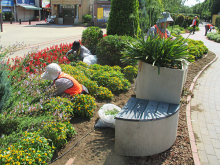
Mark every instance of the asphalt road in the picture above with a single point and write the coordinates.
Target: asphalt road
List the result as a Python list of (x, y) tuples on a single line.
[(37, 35)]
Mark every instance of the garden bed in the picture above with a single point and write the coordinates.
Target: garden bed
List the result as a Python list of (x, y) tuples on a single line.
[(98, 146)]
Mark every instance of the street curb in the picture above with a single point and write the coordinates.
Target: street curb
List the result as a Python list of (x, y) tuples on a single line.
[(188, 116)]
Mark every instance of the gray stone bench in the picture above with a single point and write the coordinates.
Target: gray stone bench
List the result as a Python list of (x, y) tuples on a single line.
[(145, 127)]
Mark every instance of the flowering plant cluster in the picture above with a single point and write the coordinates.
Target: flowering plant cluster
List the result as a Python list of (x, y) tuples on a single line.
[(96, 76), (34, 107), (130, 72), (58, 132), (84, 105), (197, 48), (30, 149)]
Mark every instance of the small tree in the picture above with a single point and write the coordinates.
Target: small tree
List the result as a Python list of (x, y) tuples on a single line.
[(5, 87), (124, 18)]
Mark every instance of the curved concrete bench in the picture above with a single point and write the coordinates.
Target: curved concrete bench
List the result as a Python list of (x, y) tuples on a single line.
[(144, 127)]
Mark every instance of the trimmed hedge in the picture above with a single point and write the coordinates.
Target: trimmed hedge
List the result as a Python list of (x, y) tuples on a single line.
[(109, 50), (90, 38), (120, 21)]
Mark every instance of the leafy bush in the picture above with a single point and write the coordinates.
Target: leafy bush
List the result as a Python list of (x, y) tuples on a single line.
[(87, 18), (130, 72), (180, 20), (31, 148), (57, 132), (109, 50), (90, 38), (196, 48), (217, 22), (213, 36), (191, 28), (124, 18), (158, 51), (176, 31), (5, 87), (84, 105)]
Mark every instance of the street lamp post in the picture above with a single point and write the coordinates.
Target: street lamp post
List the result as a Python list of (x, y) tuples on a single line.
[(1, 15)]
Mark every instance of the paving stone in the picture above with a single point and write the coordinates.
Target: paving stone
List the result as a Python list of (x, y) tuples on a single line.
[(209, 149), (213, 160)]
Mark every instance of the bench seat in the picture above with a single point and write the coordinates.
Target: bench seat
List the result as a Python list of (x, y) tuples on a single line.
[(145, 127)]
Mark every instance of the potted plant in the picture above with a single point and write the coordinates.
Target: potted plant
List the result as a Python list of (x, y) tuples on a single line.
[(161, 67), (38, 18)]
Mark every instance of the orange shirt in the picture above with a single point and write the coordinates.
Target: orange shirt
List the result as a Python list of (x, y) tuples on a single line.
[(76, 88), (160, 33)]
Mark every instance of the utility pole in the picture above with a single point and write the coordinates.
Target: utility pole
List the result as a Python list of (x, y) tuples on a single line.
[(1, 15)]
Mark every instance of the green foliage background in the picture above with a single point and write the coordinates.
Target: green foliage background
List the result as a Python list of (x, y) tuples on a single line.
[(124, 18)]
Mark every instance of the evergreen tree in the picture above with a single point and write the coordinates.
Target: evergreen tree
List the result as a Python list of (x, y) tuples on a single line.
[(124, 18), (5, 87)]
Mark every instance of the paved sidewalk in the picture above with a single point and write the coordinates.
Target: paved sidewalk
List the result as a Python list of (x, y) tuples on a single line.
[(205, 106)]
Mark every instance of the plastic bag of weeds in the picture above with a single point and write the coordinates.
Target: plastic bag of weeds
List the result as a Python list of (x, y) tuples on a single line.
[(107, 115), (90, 59)]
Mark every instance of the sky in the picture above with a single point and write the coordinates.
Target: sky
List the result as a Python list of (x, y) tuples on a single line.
[(192, 2)]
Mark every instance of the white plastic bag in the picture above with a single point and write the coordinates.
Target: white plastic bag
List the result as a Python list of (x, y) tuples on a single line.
[(106, 119), (90, 59)]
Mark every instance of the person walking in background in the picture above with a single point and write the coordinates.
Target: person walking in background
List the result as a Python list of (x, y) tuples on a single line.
[(194, 24), (208, 27), (66, 85)]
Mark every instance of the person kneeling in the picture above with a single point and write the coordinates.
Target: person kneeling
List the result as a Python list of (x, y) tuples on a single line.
[(65, 84)]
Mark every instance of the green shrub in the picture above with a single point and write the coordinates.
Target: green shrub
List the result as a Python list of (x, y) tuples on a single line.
[(217, 22), (130, 72), (124, 18), (31, 148), (180, 20), (213, 36), (90, 38), (87, 18), (176, 31), (5, 87), (57, 132), (109, 50)]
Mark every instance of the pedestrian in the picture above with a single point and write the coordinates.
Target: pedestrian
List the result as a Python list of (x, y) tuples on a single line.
[(208, 27), (161, 26), (194, 24), (66, 85), (78, 50)]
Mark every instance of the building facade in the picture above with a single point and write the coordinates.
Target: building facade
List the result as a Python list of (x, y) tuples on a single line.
[(70, 12)]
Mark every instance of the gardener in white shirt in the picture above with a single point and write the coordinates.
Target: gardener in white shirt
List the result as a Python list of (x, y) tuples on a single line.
[(65, 84), (79, 50)]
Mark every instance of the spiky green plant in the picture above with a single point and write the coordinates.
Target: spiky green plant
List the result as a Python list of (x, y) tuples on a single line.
[(158, 51)]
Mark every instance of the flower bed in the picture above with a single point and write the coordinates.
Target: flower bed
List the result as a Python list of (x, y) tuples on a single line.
[(34, 122), (34, 114)]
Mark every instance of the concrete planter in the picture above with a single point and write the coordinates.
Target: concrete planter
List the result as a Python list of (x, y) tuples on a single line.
[(166, 87), (135, 138)]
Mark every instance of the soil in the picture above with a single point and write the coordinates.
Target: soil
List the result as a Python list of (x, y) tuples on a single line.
[(97, 148)]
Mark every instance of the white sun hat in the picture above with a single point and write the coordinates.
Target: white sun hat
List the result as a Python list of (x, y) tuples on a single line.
[(165, 18), (53, 70)]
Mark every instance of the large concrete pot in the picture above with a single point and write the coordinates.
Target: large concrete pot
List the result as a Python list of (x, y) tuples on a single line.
[(166, 87)]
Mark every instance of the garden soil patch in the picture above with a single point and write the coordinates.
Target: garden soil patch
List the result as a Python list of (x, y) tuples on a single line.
[(97, 148)]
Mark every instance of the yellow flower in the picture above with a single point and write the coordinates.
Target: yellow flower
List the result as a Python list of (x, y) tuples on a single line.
[(18, 157), (30, 162), (40, 160)]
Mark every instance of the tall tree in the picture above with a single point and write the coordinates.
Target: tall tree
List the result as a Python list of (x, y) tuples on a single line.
[(215, 6), (124, 18)]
